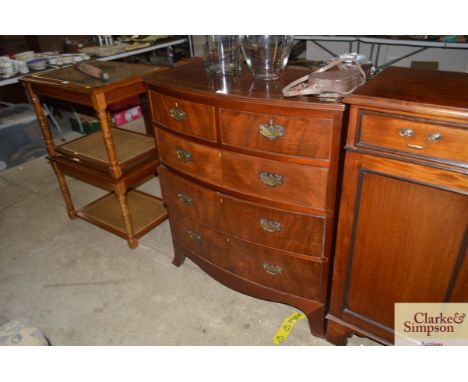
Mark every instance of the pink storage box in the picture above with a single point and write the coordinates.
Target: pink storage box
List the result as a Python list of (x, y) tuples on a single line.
[(122, 117)]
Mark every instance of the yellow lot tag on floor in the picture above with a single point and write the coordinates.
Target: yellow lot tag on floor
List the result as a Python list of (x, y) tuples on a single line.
[(287, 327)]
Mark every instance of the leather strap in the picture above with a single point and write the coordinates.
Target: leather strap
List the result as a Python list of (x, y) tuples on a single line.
[(298, 87)]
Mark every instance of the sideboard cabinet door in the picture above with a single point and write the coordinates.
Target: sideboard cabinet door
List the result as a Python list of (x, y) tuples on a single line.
[(405, 231)]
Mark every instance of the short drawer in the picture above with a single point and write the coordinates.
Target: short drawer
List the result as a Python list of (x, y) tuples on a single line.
[(297, 136), (186, 117), (414, 136), (275, 181), (188, 199), (191, 158), (271, 268), (289, 231), (199, 239)]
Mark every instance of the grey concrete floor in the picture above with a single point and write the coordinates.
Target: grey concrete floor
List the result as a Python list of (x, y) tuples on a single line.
[(83, 286)]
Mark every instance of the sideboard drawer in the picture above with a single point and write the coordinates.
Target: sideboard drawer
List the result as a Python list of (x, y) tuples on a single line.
[(414, 136), (275, 181), (186, 117), (272, 268), (189, 157), (298, 136)]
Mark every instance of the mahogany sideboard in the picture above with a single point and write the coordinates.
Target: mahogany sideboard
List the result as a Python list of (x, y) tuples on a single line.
[(403, 225), (250, 179), (113, 159)]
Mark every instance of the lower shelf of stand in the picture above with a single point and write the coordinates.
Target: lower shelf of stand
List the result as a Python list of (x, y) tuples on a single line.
[(130, 148), (146, 211)]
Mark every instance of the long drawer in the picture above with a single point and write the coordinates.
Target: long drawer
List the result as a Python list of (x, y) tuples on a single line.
[(285, 230), (413, 136), (289, 135), (272, 268)]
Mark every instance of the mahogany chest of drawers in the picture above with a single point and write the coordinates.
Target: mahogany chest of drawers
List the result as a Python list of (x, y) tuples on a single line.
[(250, 180), (403, 226)]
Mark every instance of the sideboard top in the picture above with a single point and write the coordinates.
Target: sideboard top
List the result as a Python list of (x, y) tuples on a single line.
[(410, 89)]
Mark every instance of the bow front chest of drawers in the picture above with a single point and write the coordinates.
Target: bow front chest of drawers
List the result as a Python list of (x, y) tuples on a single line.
[(249, 179)]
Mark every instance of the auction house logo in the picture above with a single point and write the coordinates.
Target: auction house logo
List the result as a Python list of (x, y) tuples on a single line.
[(431, 324)]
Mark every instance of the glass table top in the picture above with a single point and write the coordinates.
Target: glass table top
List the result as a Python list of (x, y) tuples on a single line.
[(117, 71)]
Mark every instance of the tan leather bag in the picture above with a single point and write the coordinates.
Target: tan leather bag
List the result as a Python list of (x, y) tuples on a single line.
[(326, 83)]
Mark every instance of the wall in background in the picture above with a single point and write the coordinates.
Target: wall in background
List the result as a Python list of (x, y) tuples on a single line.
[(448, 59), (197, 41)]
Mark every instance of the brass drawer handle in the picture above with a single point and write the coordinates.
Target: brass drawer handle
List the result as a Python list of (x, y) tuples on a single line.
[(183, 155), (409, 133), (271, 179), (177, 113), (272, 269), (184, 198), (270, 130), (195, 236), (270, 225), (434, 137)]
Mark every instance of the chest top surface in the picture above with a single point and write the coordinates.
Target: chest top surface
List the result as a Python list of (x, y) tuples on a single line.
[(192, 78)]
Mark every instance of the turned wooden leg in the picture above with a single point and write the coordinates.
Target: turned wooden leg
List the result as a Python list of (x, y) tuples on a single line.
[(337, 334), (121, 194), (65, 191), (179, 255), (101, 110), (42, 119)]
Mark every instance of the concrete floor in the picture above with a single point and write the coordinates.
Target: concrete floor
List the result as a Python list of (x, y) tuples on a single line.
[(83, 286)]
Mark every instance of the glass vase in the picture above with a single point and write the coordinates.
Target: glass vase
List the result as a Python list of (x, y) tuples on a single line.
[(266, 55)]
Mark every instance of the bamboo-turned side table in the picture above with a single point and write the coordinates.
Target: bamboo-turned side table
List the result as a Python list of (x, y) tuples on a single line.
[(113, 159)]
